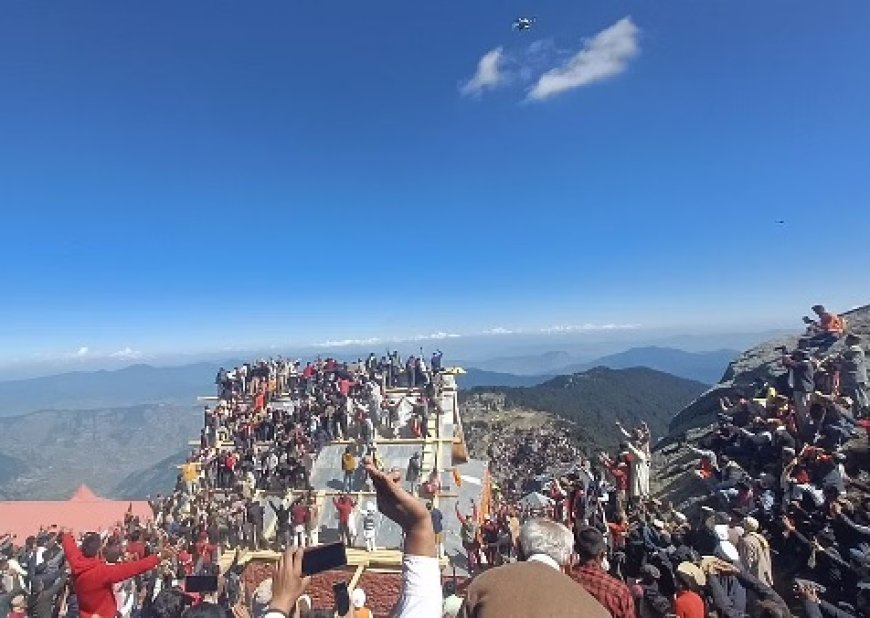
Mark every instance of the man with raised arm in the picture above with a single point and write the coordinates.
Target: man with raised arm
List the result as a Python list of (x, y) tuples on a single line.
[(421, 571), (93, 577)]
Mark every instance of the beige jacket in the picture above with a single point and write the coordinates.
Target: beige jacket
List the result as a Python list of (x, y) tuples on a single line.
[(528, 589), (755, 554)]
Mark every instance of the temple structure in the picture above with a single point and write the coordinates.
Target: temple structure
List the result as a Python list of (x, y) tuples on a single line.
[(444, 452)]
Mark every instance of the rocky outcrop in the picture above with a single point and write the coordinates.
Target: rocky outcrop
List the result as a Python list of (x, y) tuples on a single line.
[(761, 362)]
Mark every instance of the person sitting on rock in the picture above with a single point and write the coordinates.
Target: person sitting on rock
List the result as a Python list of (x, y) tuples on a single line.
[(826, 330)]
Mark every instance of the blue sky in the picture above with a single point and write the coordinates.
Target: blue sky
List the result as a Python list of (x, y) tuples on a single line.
[(193, 175)]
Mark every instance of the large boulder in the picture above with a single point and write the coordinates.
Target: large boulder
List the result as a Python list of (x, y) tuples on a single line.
[(761, 362)]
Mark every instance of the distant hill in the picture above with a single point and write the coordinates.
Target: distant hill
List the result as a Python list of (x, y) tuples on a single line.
[(82, 390), (47, 455), (155, 479), (10, 468), (706, 367), (548, 363), (593, 400), (474, 378)]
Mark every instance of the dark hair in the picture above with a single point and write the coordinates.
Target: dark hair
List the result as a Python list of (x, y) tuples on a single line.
[(589, 544), (205, 610), (112, 553), (770, 609), (169, 603), (91, 545)]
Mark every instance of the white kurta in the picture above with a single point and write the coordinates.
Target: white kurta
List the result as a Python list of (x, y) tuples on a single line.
[(639, 472)]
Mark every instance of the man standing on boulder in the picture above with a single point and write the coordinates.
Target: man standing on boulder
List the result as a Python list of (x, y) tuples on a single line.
[(853, 376), (801, 378)]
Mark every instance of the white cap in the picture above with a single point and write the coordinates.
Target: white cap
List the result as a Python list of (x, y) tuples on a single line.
[(263, 593), (370, 507), (358, 597)]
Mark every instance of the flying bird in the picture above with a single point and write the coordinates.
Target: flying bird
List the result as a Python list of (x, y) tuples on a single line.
[(522, 24)]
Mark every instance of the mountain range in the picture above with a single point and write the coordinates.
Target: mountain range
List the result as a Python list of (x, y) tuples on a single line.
[(81, 390), (705, 367), (180, 385)]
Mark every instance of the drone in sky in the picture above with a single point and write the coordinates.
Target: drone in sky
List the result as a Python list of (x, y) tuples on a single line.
[(522, 24)]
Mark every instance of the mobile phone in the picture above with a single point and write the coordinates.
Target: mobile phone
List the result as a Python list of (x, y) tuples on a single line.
[(342, 598), (323, 558), (201, 583)]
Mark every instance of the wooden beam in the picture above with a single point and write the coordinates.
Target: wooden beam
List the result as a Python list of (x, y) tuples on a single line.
[(389, 558), (355, 579)]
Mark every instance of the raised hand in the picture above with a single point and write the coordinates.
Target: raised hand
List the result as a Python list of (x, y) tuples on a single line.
[(404, 509), (287, 581)]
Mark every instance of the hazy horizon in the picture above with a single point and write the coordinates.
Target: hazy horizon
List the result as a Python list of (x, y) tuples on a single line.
[(581, 345)]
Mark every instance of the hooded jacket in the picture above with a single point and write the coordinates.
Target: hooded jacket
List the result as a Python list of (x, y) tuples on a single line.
[(93, 578)]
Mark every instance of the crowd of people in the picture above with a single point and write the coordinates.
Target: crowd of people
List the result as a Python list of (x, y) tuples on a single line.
[(257, 449), (521, 458), (781, 528)]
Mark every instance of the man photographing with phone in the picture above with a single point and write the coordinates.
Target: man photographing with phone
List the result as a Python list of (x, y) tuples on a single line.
[(421, 571)]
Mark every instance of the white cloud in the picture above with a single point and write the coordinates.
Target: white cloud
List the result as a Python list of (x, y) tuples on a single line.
[(82, 352), (604, 55), (488, 76), (127, 353), (435, 336), (343, 343), (579, 328), (498, 330)]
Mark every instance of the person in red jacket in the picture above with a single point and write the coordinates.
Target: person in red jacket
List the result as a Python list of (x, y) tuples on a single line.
[(93, 576)]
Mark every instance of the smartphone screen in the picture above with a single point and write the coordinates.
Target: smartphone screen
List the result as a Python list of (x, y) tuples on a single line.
[(201, 583), (323, 558), (342, 598)]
